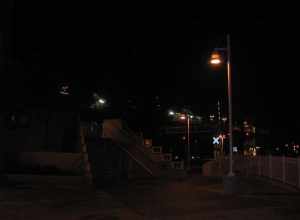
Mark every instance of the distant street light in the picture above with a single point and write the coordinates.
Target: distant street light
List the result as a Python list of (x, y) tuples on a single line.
[(187, 117), (64, 90), (188, 144), (101, 101), (171, 112), (216, 60)]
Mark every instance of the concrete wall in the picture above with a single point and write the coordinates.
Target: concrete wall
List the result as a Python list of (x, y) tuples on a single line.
[(42, 162), (212, 168), (66, 162), (21, 138), (38, 130)]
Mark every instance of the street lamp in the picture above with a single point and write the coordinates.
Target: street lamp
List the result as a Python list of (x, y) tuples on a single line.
[(171, 113), (185, 116), (99, 102), (216, 60)]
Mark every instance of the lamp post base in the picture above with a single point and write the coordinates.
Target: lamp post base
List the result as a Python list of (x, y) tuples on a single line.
[(230, 184), (231, 174)]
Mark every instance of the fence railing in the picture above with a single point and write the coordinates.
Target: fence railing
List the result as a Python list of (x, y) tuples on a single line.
[(280, 168)]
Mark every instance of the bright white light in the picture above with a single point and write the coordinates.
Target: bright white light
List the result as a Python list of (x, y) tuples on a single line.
[(191, 116), (171, 113), (64, 90), (64, 93), (101, 101), (224, 119)]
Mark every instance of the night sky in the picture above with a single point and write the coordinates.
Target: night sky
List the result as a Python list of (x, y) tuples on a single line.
[(139, 53)]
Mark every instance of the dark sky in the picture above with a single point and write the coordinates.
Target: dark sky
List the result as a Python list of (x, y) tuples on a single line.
[(140, 52)]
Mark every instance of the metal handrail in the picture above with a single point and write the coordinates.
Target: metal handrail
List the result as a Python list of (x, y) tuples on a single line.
[(135, 145)]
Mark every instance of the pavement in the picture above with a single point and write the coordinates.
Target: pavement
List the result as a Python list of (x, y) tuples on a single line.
[(194, 197)]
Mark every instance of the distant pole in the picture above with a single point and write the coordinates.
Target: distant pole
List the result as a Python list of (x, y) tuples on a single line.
[(188, 143), (229, 106), (219, 118), (222, 145), (219, 111)]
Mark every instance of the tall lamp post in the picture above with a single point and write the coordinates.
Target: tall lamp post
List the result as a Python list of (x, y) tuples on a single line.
[(188, 144), (215, 60), (185, 116)]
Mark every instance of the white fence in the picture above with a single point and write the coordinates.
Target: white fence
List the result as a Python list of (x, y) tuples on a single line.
[(284, 169)]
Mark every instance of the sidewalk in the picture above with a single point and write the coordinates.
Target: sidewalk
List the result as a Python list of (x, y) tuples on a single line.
[(193, 198), (58, 204)]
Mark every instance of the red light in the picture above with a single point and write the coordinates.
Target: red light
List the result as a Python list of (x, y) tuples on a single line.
[(182, 117)]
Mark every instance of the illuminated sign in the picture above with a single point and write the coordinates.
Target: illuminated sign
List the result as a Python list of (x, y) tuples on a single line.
[(216, 140)]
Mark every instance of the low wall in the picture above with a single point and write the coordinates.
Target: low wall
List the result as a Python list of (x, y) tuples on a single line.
[(61, 162), (212, 168)]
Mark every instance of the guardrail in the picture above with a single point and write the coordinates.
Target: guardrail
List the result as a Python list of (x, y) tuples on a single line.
[(280, 168)]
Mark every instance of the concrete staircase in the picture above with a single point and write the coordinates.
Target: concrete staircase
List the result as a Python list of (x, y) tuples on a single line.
[(131, 144), (118, 154)]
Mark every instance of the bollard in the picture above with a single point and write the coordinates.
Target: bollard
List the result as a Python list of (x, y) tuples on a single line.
[(283, 169), (231, 185), (298, 171), (270, 166), (259, 166)]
